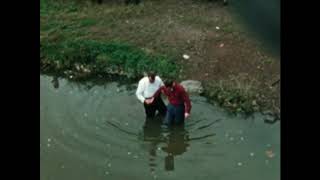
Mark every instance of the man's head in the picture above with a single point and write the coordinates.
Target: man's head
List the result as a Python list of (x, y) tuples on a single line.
[(151, 76), (169, 83)]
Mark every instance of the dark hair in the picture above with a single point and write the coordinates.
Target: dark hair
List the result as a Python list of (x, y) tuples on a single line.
[(168, 83), (152, 75)]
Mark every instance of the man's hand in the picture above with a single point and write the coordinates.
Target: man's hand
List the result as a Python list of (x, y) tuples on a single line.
[(186, 115), (149, 101)]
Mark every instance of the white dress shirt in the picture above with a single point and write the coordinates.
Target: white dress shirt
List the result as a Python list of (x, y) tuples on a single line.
[(146, 89)]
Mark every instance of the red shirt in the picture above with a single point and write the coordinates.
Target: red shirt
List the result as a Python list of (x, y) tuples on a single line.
[(177, 96)]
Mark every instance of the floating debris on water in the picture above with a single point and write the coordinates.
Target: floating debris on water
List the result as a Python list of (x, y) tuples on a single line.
[(129, 153), (242, 138), (217, 27), (48, 145), (85, 115), (231, 138), (270, 153), (49, 140), (107, 173), (127, 124), (159, 148), (268, 145), (239, 163), (136, 157), (251, 154), (62, 166), (109, 165)]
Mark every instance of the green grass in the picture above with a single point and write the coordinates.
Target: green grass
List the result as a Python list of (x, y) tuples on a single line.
[(113, 57), (88, 22)]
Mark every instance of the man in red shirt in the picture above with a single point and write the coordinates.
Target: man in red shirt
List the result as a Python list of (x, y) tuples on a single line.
[(179, 106)]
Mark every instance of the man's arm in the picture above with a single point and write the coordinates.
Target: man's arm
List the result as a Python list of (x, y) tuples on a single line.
[(186, 100), (157, 93), (140, 90)]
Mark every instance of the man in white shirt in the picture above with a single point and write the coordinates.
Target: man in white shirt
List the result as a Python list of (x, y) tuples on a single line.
[(145, 92)]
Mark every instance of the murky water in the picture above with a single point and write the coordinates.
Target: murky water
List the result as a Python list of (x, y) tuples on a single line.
[(100, 133)]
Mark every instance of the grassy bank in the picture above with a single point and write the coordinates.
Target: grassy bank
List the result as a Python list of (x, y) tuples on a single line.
[(83, 58), (80, 39)]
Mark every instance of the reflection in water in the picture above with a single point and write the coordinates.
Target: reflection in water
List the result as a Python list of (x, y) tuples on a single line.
[(55, 82), (177, 144), (176, 139)]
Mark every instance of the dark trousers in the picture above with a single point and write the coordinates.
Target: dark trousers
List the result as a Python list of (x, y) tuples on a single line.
[(157, 104), (175, 114)]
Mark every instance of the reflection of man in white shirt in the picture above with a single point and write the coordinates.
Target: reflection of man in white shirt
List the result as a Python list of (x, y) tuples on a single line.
[(145, 91)]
